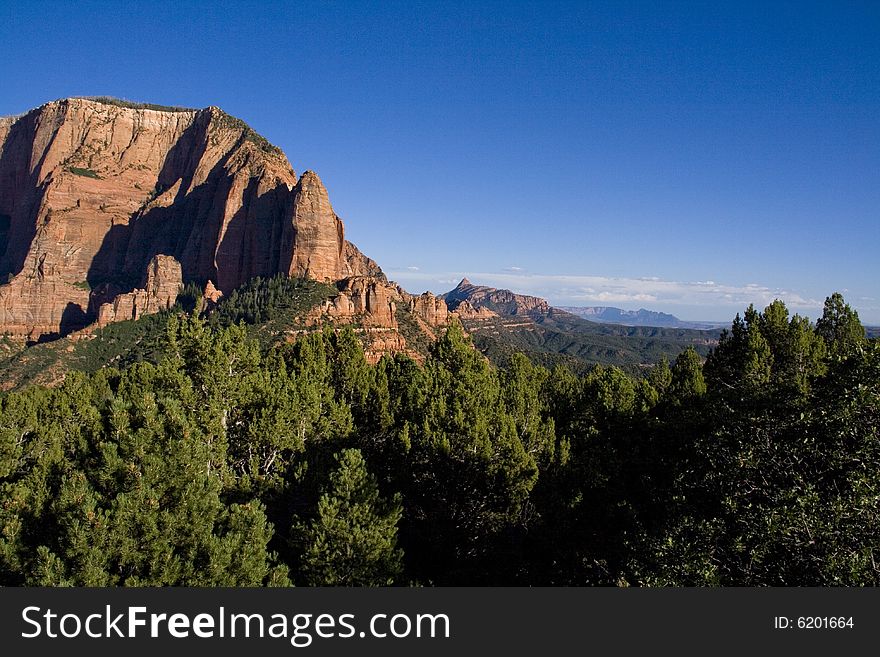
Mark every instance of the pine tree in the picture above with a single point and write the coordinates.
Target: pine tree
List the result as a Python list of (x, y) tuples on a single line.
[(352, 540), (660, 376), (687, 377), (839, 326)]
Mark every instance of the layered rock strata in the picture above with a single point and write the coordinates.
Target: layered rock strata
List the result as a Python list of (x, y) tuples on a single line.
[(164, 280), (91, 191), (373, 307)]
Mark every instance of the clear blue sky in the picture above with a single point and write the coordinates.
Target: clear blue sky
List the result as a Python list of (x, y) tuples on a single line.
[(686, 157)]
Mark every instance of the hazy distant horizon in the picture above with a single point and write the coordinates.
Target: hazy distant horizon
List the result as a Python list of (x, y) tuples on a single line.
[(551, 288)]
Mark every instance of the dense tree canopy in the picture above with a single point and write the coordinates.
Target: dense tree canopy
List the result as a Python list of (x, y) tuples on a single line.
[(233, 463)]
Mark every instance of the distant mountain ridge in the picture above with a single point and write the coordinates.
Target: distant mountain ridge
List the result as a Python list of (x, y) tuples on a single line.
[(472, 301), (467, 297), (502, 322), (640, 317)]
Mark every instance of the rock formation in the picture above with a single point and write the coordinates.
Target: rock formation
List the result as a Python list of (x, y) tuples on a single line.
[(431, 309), (368, 300), (475, 300), (91, 191), (159, 293), (211, 294), (466, 311), (373, 305), (375, 302)]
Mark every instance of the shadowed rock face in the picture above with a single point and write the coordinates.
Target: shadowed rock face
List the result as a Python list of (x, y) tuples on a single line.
[(159, 293), (92, 192)]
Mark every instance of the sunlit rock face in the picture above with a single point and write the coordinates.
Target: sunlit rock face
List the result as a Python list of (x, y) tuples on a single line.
[(91, 192)]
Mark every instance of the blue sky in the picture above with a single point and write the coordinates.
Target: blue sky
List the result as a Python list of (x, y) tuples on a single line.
[(685, 157)]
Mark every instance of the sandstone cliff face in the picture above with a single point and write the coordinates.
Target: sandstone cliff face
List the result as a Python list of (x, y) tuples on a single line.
[(372, 304), (164, 280), (92, 192), (432, 310)]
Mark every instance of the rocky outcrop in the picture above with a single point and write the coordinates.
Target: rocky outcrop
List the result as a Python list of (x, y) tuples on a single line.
[(92, 190), (374, 302), (473, 300), (211, 294), (466, 311), (164, 280), (369, 300), (432, 310), (373, 305)]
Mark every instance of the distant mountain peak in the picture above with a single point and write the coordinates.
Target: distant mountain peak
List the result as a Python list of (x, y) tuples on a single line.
[(640, 317), (501, 302)]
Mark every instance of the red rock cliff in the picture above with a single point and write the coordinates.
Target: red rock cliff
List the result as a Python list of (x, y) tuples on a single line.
[(92, 191)]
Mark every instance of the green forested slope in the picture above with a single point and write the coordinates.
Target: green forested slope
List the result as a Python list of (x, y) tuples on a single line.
[(560, 337), (226, 463)]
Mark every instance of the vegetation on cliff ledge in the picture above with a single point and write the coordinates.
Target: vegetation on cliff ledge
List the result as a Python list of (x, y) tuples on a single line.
[(225, 120), (119, 102), (85, 173), (234, 123)]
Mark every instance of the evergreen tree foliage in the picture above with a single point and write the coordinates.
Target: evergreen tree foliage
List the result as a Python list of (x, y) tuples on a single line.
[(687, 378), (839, 326), (229, 463), (660, 376), (352, 541)]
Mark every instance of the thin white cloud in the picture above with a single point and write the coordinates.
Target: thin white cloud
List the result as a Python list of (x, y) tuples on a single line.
[(412, 268), (601, 290)]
